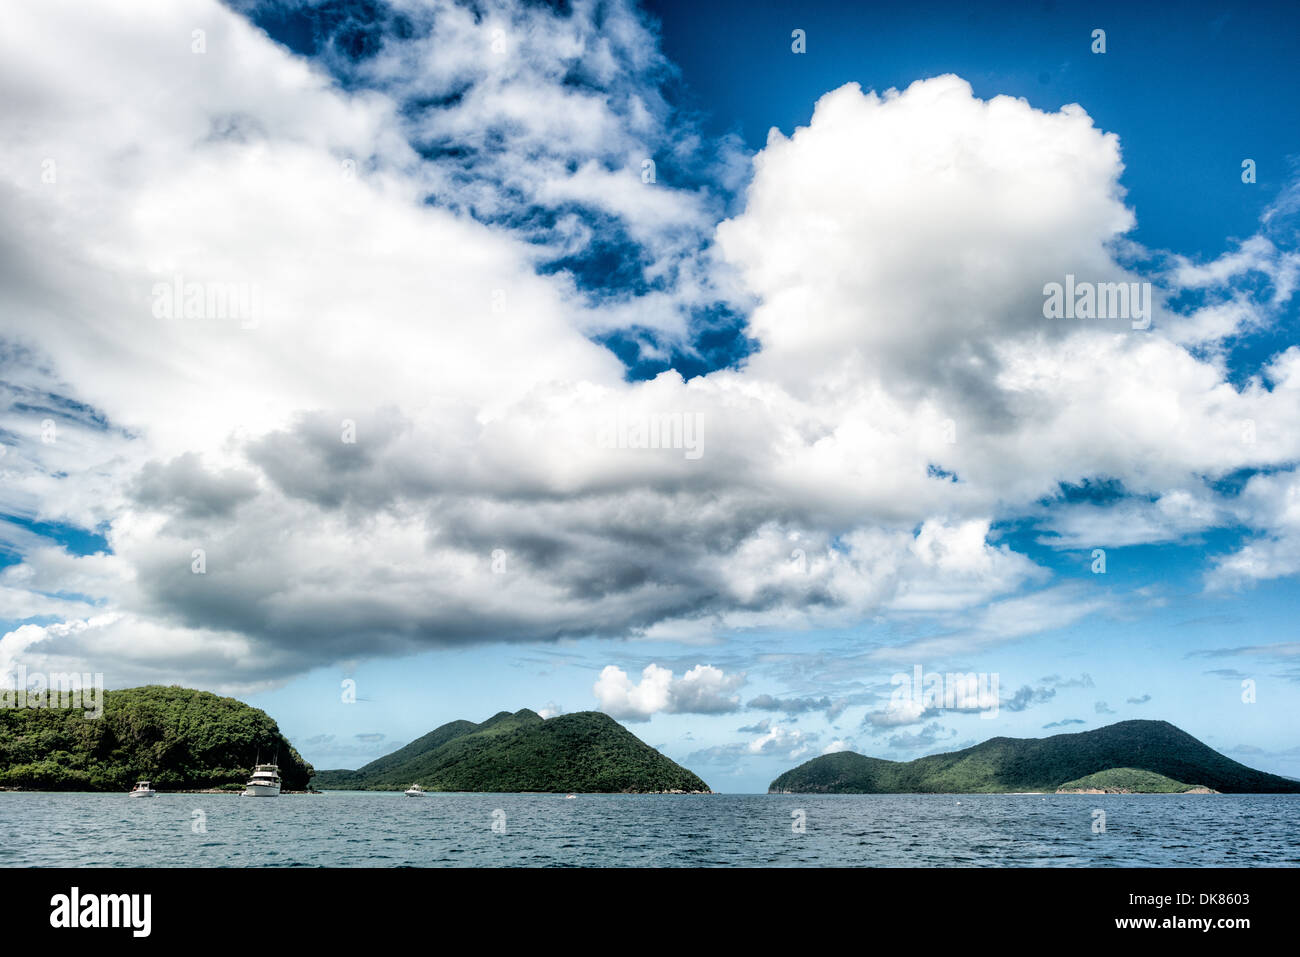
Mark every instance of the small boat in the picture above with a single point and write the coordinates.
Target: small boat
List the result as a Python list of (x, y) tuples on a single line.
[(143, 789), (265, 782), (570, 797), (415, 791)]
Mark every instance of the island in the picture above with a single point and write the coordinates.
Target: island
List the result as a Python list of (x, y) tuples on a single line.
[(1130, 781), (1126, 757), (181, 739), (586, 751)]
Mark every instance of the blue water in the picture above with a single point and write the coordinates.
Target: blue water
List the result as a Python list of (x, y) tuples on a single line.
[(344, 829)]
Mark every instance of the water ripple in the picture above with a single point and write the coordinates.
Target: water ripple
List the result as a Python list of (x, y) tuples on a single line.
[(345, 829)]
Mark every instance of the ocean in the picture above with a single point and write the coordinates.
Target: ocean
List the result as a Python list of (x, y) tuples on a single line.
[(368, 829)]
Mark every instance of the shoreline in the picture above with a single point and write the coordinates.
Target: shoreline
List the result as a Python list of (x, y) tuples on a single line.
[(1072, 791), (650, 793), (285, 793), (559, 793), (238, 793)]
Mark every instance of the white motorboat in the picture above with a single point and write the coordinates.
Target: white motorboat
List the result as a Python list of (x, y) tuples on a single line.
[(143, 789), (415, 791), (265, 782)]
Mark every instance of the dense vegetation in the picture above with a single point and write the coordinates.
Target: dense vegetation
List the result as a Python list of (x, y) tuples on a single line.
[(586, 751), (176, 737), (1036, 764), (1127, 781)]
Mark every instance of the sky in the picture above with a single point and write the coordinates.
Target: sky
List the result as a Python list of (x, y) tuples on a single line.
[(389, 363)]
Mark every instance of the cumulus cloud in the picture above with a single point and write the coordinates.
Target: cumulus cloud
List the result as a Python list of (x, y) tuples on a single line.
[(400, 450), (1272, 503), (790, 743), (701, 690), (910, 710), (919, 708), (770, 741), (185, 486)]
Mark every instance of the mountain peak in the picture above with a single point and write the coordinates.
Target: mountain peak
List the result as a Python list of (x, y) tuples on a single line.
[(1038, 764), (581, 751)]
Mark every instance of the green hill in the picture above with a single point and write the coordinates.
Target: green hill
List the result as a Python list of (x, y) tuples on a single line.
[(1128, 781), (179, 738), (586, 751), (1036, 764)]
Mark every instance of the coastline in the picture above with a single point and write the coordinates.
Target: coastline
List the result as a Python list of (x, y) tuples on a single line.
[(999, 793), (236, 793), (559, 793)]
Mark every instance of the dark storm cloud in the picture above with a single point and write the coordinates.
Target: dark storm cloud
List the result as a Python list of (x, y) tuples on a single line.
[(184, 486)]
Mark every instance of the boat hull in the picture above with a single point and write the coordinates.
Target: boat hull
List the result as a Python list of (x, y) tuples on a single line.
[(143, 794), (261, 791)]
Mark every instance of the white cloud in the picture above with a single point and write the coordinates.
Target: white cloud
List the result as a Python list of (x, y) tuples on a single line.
[(906, 711), (790, 743), (701, 690), (619, 697), (1174, 515), (907, 396), (1270, 502), (918, 228)]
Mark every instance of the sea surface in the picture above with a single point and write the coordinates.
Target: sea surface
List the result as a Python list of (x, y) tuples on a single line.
[(367, 829)]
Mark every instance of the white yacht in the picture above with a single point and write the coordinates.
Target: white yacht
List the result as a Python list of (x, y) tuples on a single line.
[(143, 789), (265, 782), (415, 791)]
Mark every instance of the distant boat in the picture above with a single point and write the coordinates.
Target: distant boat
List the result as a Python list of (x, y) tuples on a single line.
[(415, 791), (265, 782), (570, 797), (143, 789)]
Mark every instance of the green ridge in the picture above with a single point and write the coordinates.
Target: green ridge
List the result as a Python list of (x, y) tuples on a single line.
[(1000, 765), (586, 751), (179, 738), (1127, 781)]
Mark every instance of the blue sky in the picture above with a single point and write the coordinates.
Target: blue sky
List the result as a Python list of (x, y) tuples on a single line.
[(455, 244), (1190, 95)]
